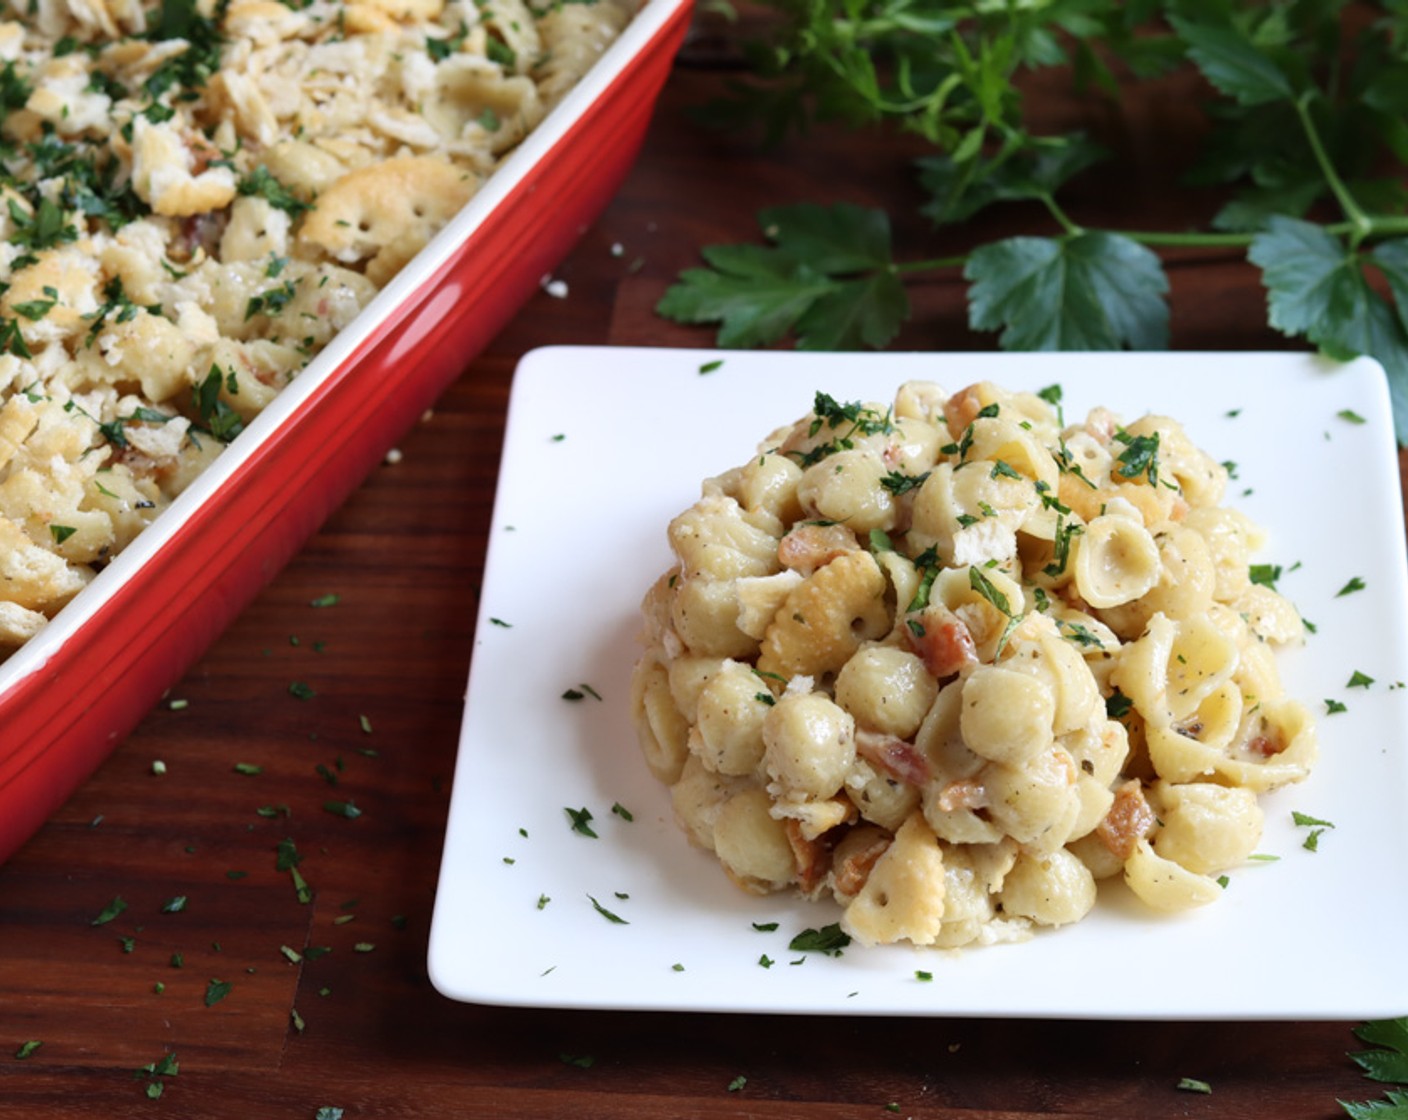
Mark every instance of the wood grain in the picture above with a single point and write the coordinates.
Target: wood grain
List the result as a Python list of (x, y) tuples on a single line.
[(359, 1027)]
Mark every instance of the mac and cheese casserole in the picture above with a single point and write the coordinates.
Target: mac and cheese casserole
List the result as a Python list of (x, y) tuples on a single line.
[(194, 198), (950, 661)]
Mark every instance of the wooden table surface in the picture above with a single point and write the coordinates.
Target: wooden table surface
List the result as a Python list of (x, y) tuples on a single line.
[(361, 1029)]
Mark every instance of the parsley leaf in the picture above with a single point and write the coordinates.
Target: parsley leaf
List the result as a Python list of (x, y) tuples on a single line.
[(1090, 291), (828, 277)]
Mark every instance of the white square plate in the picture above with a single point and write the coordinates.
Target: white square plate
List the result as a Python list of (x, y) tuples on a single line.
[(605, 446)]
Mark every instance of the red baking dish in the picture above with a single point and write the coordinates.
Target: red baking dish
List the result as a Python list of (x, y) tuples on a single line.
[(73, 692)]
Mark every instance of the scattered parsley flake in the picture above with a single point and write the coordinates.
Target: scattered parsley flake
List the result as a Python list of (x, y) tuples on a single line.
[(110, 911), (364, 947), (581, 821), (607, 914), (174, 904), (766, 961), (543, 900), (1359, 680), (216, 990), (1350, 415), (765, 927), (343, 809), (328, 600), (1334, 706), (920, 974), (247, 768), (28, 1048), (581, 1061), (1355, 584), (501, 622), (622, 812), (829, 940), (1193, 1085), (710, 367), (300, 690), (1264, 574), (737, 1083)]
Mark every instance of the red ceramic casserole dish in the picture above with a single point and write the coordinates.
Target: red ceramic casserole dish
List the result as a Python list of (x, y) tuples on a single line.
[(74, 691)]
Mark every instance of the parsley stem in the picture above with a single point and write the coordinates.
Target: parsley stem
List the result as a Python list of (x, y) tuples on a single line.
[(1360, 224), (932, 265)]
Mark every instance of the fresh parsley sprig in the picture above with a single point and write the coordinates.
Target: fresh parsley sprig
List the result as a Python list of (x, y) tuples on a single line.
[(1306, 110)]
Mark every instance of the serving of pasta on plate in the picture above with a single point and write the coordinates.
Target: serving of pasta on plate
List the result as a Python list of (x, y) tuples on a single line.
[(952, 660)]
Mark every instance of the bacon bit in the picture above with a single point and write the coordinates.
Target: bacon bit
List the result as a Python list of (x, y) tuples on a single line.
[(812, 857), (961, 409), (808, 547), (1130, 818), (899, 759), (946, 645), (966, 793), (857, 861), (1267, 748)]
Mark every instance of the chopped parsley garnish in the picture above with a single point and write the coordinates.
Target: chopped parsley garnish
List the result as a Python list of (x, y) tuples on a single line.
[(1355, 584), (1350, 415), (1264, 574), (1359, 680), (1140, 457), (897, 483), (1193, 1085), (328, 600), (271, 301), (222, 421), (1333, 707), (1317, 829), (1066, 531), (217, 990), (28, 1048), (110, 911), (441, 49), (737, 1083), (607, 914), (1118, 705), (581, 821), (174, 905), (342, 809), (301, 690), (622, 812), (260, 183), (765, 927), (829, 940), (61, 533), (855, 417), (710, 367)]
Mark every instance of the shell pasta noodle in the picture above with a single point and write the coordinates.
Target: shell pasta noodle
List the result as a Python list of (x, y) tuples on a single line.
[(197, 195), (951, 661)]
